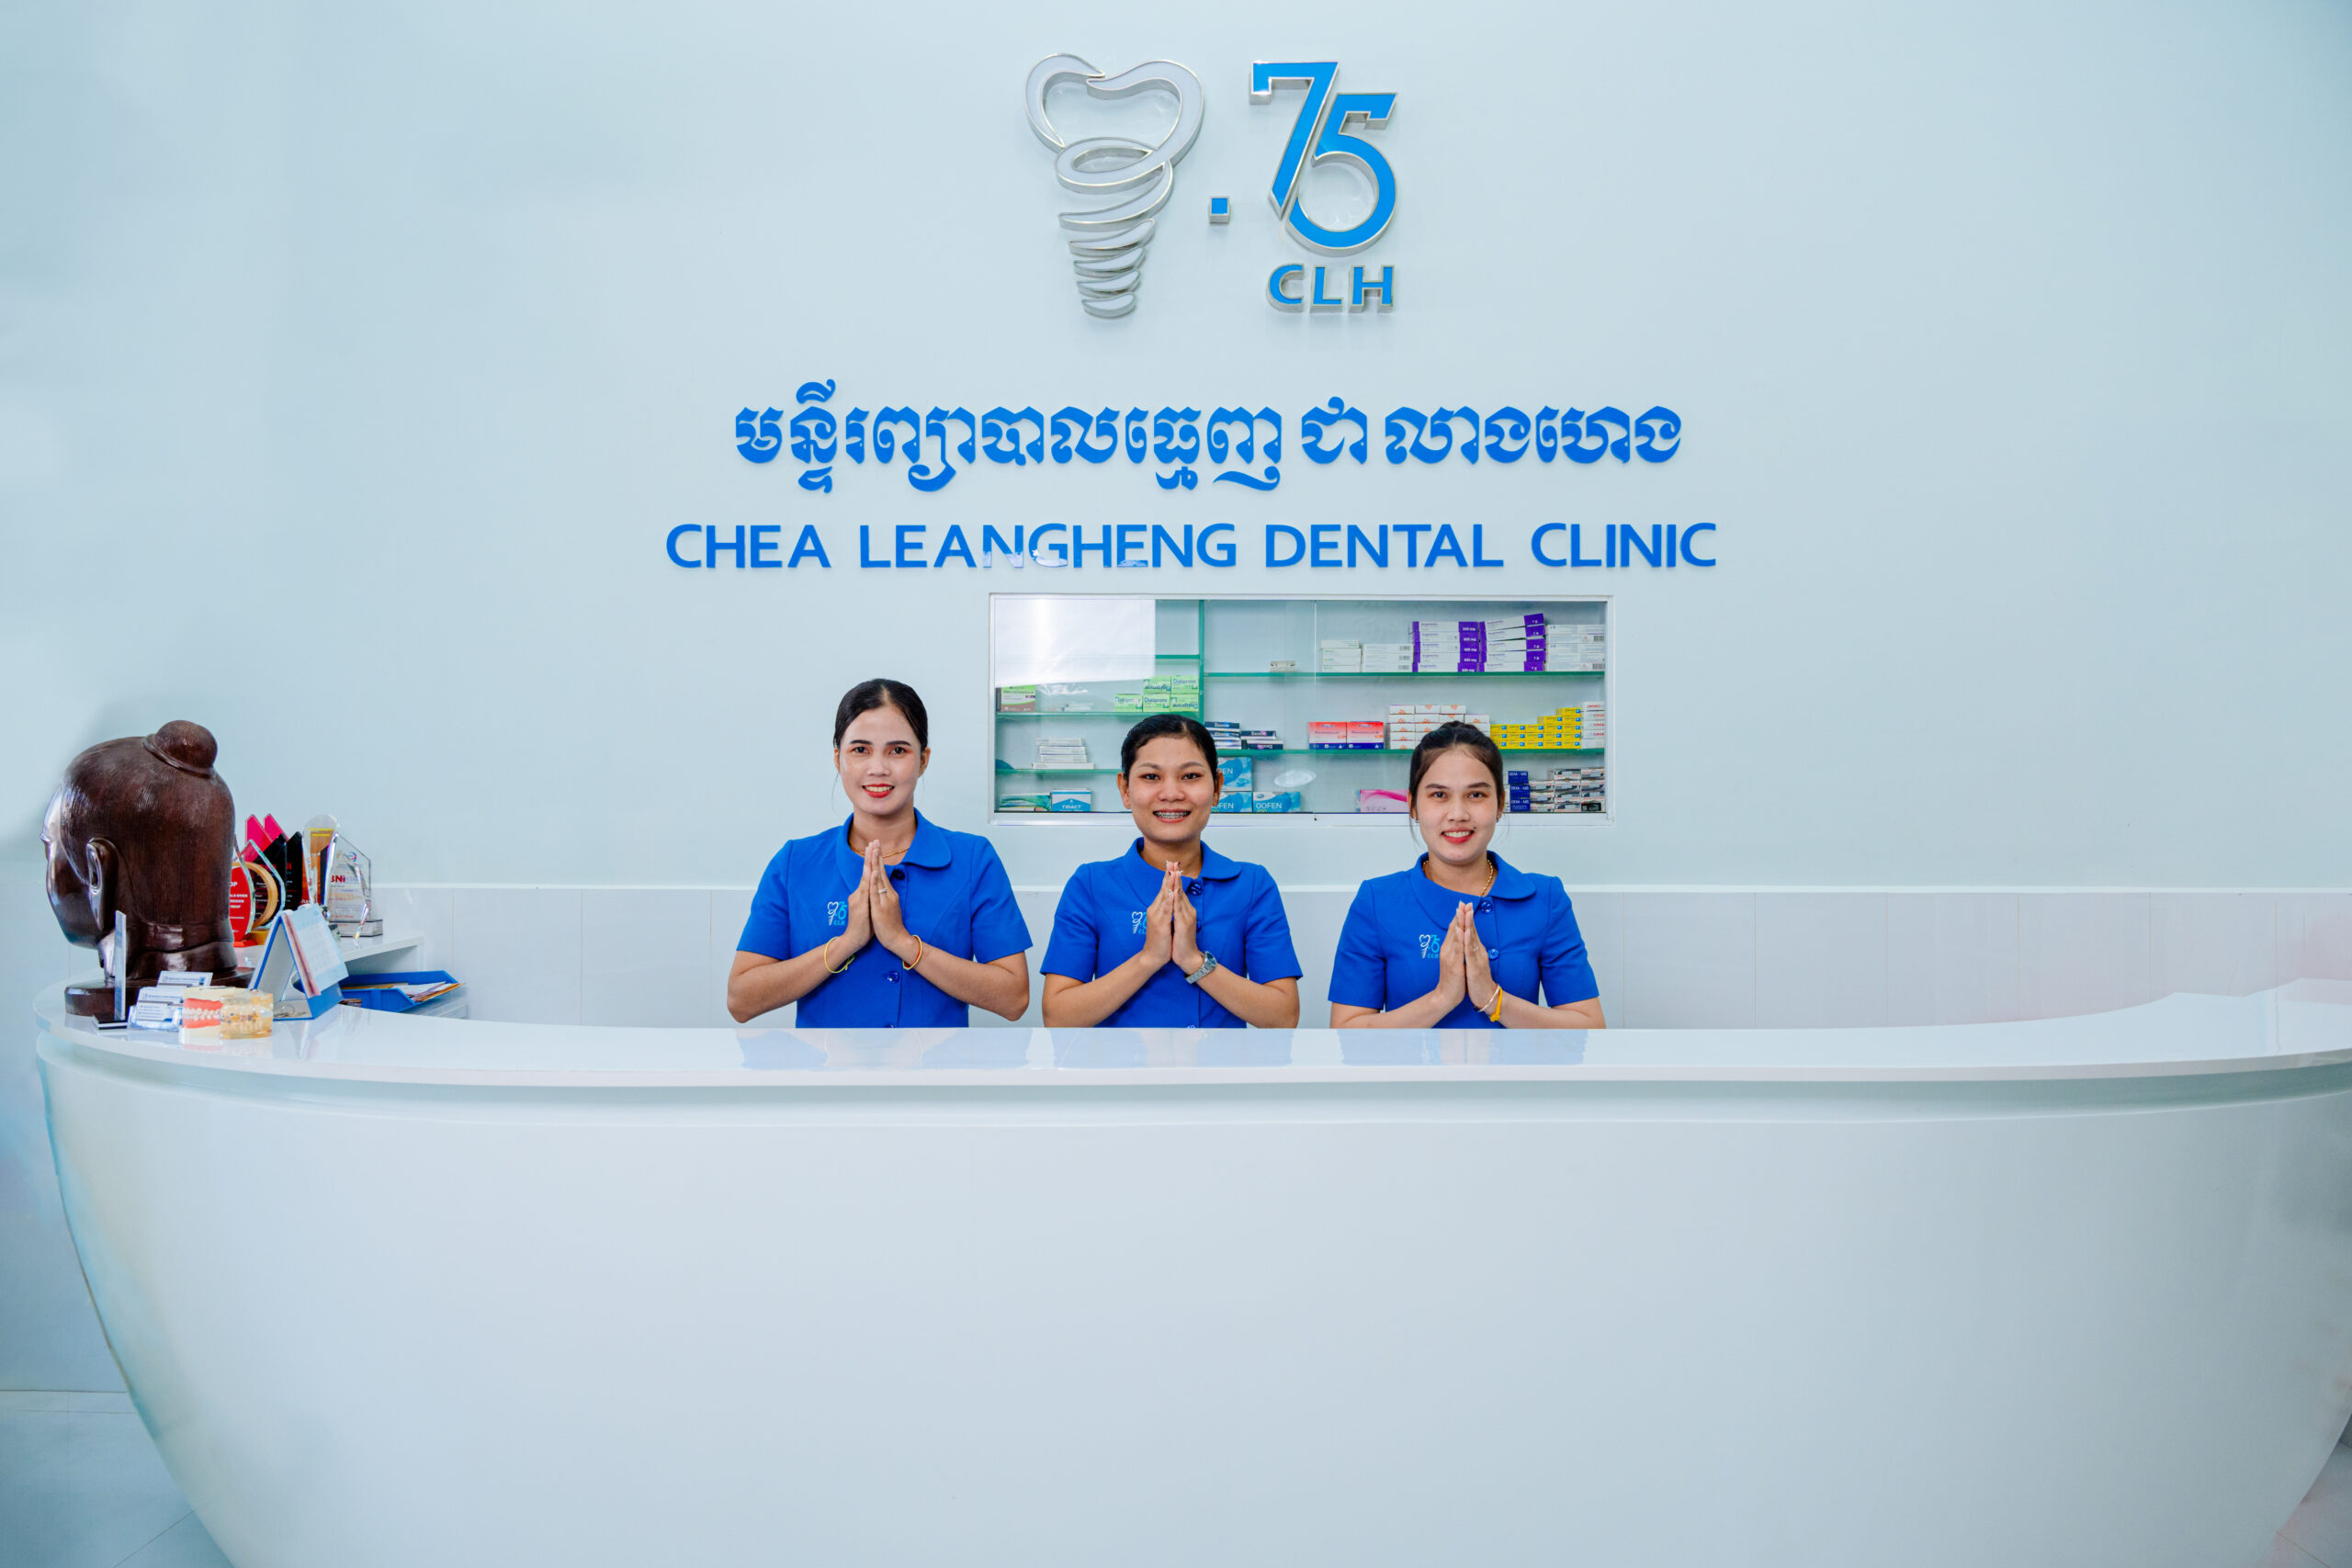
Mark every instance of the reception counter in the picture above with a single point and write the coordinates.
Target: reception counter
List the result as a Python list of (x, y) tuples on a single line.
[(392, 1292)]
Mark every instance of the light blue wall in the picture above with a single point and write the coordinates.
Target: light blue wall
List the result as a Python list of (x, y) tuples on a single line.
[(2013, 343)]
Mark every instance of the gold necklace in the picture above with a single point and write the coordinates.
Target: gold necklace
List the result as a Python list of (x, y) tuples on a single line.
[(1493, 870)]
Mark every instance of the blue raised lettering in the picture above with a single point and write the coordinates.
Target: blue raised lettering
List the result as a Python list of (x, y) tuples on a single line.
[(954, 543), (1297, 540)]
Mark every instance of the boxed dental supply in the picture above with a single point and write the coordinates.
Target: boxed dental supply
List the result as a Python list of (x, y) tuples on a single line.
[(1233, 800), (1071, 800), (1274, 800), (1016, 699), (1380, 800), (1237, 773), (1023, 802)]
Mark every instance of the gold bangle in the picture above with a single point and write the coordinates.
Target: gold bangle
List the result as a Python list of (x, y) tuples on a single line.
[(829, 948), (918, 953), (1494, 1009)]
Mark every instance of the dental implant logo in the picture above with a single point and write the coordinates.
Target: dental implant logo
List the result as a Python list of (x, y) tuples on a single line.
[(1107, 242)]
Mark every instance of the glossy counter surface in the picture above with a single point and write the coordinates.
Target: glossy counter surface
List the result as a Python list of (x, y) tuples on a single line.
[(393, 1291)]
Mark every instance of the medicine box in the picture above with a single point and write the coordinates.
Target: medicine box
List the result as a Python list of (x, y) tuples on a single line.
[(1072, 800)]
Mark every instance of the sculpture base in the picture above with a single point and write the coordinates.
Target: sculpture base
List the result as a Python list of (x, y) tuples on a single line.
[(91, 1002)]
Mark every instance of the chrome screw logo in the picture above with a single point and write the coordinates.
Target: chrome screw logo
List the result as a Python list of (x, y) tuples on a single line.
[(1107, 243)]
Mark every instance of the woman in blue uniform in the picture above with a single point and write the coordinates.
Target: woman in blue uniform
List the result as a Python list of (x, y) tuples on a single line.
[(1463, 939), (889, 919), (1171, 934)]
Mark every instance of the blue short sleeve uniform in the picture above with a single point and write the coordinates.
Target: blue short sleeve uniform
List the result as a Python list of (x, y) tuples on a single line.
[(951, 890), (1099, 926), (1388, 948)]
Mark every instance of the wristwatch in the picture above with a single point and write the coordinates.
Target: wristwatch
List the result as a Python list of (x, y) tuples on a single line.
[(1208, 962)]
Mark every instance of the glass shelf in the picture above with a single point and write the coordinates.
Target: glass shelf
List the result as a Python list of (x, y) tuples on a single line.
[(1393, 674), (1407, 751), (1095, 648), (1130, 715)]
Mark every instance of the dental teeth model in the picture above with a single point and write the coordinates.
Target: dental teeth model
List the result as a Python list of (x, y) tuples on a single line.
[(1107, 243)]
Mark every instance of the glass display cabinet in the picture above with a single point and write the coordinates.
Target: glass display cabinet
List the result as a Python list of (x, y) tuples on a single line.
[(1313, 703)]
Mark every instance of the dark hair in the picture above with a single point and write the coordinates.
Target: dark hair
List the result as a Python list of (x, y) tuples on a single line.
[(1449, 738), (867, 695), (1161, 724)]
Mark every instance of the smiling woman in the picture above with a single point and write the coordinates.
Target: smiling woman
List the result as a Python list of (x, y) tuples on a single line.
[(889, 919), (1464, 940), (1171, 933)]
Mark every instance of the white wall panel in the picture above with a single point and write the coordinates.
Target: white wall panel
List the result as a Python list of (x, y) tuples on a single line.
[(1952, 957), (1821, 959)]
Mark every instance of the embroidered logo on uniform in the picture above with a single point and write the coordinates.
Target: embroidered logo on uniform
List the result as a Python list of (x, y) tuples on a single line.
[(1431, 942), (837, 911), (1137, 916)]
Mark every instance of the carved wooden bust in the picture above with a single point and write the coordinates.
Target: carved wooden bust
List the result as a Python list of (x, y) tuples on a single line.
[(144, 826)]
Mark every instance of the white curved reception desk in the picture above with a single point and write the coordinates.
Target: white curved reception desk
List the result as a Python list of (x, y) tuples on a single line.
[(404, 1291)]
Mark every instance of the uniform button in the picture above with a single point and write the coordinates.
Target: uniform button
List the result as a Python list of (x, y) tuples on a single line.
[(1485, 906), (892, 976)]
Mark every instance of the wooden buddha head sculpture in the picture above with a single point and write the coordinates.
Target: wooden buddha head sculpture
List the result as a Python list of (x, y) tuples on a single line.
[(143, 827)]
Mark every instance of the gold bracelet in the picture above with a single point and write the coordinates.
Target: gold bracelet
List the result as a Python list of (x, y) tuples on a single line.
[(829, 948), (918, 953), (1493, 1009)]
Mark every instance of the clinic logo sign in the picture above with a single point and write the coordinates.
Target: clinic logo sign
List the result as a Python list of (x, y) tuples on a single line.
[(1132, 180)]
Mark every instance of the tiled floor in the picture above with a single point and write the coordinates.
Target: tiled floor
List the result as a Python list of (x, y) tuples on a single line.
[(81, 1487)]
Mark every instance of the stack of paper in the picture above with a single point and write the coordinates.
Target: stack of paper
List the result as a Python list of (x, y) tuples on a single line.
[(1341, 656)]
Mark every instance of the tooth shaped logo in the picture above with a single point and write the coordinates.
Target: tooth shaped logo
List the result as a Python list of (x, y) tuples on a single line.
[(1107, 242)]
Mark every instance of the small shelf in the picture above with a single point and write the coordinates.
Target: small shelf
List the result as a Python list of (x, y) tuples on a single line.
[(1132, 715), (1392, 675), (1408, 750), (1230, 645)]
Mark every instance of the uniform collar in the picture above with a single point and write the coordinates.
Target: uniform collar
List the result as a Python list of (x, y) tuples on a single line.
[(1214, 867), (930, 851), (1511, 883)]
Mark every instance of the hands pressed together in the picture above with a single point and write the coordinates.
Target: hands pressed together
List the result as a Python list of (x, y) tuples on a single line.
[(1462, 967), (874, 915), (1172, 926)]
